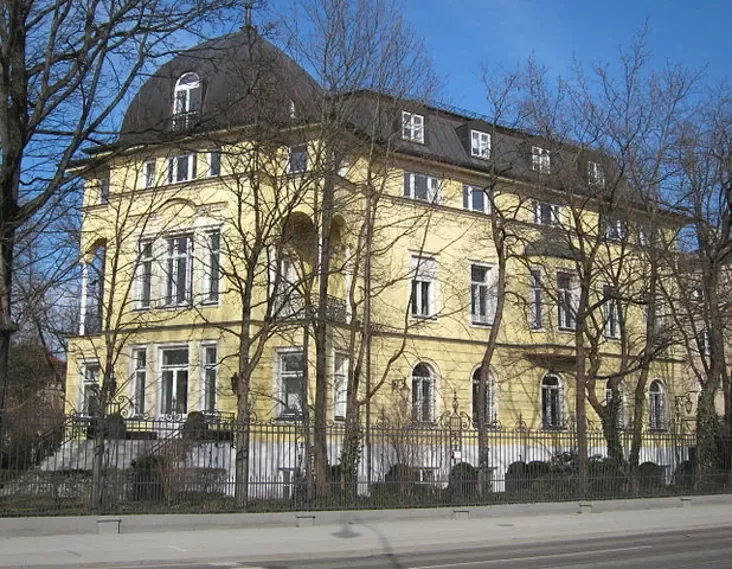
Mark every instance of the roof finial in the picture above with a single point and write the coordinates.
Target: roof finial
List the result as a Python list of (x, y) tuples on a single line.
[(248, 15)]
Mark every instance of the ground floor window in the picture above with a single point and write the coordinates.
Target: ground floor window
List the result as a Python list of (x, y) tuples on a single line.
[(174, 375), (551, 402), (290, 368)]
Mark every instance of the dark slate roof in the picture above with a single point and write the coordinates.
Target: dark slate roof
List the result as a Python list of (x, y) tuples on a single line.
[(245, 80)]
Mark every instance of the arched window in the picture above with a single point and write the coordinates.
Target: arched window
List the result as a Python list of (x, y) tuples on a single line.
[(657, 406), (423, 393), (490, 416), (551, 402), (620, 417), (186, 100)]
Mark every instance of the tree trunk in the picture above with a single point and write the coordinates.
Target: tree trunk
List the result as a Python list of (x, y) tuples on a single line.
[(243, 424), (7, 328)]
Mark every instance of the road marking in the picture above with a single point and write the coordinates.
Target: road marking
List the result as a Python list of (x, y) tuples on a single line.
[(533, 557), (177, 548)]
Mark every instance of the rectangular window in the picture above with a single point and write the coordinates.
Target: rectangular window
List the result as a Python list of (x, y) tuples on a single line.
[(90, 393), (139, 386), (546, 213), (181, 168), (703, 342), (144, 272), (174, 371), (611, 312), (288, 301), (412, 127), (475, 199), (340, 385), (148, 174), (212, 267), (535, 300), (615, 229), (595, 174), (421, 187), (565, 301), (214, 163), (103, 190), (422, 296), (540, 160), (482, 307), (210, 376), (290, 374), (480, 144), (179, 270), (298, 161)]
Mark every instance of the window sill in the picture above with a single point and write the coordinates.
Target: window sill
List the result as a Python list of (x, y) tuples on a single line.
[(414, 140), (420, 318), (566, 330), (480, 324), (210, 303)]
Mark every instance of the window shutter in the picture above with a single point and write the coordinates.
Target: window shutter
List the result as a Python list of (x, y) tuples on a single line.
[(466, 196), (434, 185), (408, 184), (194, 165)]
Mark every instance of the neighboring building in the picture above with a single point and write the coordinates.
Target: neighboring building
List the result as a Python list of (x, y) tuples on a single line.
[(171, 177)]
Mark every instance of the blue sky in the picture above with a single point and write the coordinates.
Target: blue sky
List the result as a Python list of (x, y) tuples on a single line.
[(462, 35)]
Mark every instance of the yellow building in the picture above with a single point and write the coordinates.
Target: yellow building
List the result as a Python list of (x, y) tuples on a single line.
[(203, 170)]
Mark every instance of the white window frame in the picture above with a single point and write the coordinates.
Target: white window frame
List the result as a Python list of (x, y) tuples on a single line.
[(144, 279), (567, 302), (552, 415), (149, 174), (209, 373), (294, 167), (190, 168), (175, 370), (280, 376), (536, 300), (182, 100), (91, 382), (432, 186), (469, 193), (214, 163), (555, 213), (703, 342), (480, 144), (485, 289), (171, 285), (413, 127), (212, 266), (418, 384), (595, 174), (611, 311), (423, 283), (657, 406), (614, 229), (140, 362), (541, 160), (340, 385)]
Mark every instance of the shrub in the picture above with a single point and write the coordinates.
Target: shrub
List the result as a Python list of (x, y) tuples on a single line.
[(148, 477), (463, 481)]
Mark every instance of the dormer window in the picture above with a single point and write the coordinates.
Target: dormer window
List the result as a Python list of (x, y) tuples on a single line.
[(540, 160), (595, 174), (413, 127), (480, 144), (186, 101)]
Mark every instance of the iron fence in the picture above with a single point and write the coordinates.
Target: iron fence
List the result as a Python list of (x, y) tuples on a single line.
[(179, 464)]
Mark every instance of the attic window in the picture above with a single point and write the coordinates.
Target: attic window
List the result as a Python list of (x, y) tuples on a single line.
[(413, 127), (595, 174), (186, 101), (480, 144), (540, 160)]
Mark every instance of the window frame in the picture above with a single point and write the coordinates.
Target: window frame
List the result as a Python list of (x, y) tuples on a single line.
[(614, 229), (90, 386), (432, 187), (541, 161), (139, 380), (418, 384), (191, 168), (423, 283), (552, 402), (174, 409), (212, 267), (214, 163), (149, 174), (183, 113), (300, 166), (209, 374), (469, 192), (103, 186), (173, 257), (566, 302), (595, 174), (489, 301), (340, 385), (555, 213), (145, 265), (536, 302), (480, 144), (611, 313), (284, 411), (657, 406), (412, 132)]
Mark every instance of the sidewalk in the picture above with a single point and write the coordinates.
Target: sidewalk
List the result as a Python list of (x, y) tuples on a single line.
[(345, 539)]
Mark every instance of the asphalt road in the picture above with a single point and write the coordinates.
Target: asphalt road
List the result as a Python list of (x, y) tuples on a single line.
[(696, 549)]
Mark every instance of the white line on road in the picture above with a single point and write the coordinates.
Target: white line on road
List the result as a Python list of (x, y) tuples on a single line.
[(533, 557), (177, 548)]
